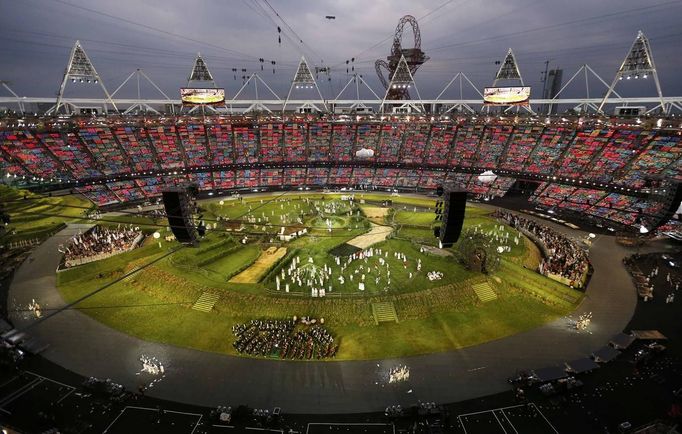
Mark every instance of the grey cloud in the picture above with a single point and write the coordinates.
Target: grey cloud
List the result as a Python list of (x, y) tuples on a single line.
[(464, 35)]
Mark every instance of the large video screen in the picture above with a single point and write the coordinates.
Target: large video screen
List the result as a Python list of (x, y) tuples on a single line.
[(506, 95), (194, 96)]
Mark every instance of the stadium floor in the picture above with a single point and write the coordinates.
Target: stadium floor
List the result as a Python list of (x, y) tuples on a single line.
[(90, 348)]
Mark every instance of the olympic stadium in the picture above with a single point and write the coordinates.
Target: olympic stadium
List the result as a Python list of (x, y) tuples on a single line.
[(311, 246)]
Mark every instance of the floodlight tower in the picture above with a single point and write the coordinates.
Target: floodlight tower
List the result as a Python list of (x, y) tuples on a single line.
[(303, 79), (638, 63), (200, 72), (401, 81), (509, 70), (415, 57), (80, 69)]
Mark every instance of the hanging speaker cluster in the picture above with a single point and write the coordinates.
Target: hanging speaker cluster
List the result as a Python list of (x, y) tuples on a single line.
[(450, 209), (178, 205)]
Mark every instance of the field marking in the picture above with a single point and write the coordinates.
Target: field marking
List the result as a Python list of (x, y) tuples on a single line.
[(8, 399), (72, 389), (485, 411), (50, 379), (153, 409), (459, 417), (114, 421), (510, 422), (543, 416), (500, 423), (461, 422), (196, 425), (67, 394), (502, 409), (9, 381), (348, 424), (264, 429), (156, 409)]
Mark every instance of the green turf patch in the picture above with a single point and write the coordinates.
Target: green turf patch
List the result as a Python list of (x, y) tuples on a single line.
[(35, 217), (344, 250)]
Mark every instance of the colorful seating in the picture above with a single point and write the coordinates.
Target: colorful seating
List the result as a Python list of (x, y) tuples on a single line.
[(415, 144), (193, 139), (271, 143), (220, 143), (493, 144), (442, 136), (108, 156), (295, 138), (166, 145), (465, 149), (343, 141), (136, 144), (521, 147), (390, 143)]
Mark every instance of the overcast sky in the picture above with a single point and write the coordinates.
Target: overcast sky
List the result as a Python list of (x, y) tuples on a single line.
[(163, 36)]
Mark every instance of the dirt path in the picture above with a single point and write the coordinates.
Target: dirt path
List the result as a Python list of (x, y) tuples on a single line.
[(375, 214), (254, 273), (376, 235)]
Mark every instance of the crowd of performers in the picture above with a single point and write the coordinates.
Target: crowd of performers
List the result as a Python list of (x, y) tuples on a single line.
[(368, 266), (291, 212), (303, 338), (564, 257), (99, 240), (646, 280)]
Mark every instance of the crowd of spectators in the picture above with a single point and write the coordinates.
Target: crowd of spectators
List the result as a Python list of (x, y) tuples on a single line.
[(99, 241), (286, 339), (624, 156), (564, 258)]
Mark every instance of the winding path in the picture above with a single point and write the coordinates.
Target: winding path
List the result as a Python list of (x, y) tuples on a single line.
[(90, 348)]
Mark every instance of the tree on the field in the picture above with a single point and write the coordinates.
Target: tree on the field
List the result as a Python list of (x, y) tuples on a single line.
[(477, 252)]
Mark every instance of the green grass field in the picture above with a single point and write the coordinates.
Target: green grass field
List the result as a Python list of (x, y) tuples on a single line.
[(35, 216), (155, 303)]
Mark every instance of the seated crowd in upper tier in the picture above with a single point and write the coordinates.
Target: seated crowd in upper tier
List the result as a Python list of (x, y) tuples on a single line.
[(323, 153)]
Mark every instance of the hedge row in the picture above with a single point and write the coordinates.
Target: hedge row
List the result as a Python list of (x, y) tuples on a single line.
[(221, 254), (277, 266)]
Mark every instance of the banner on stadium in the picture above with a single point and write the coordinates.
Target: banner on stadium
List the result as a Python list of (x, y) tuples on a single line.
[(195, 96), (506, 95)]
